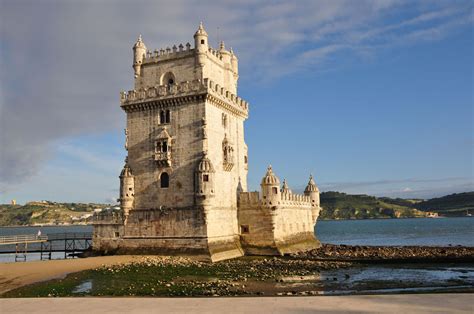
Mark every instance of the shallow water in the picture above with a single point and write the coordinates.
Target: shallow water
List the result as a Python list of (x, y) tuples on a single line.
[(382, 279), (83, 287)]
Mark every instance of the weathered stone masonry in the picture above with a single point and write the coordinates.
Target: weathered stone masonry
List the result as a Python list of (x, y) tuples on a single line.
[(183, 189)]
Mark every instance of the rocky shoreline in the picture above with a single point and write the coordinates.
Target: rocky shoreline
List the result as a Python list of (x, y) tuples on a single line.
[(381, 254)]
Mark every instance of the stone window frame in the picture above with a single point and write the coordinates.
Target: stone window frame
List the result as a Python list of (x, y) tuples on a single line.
[(164, 180), (165, 116)]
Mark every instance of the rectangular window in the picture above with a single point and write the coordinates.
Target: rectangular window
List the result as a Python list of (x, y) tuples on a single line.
[(116, 234), (244, 229), (275, 190), (205, 177)]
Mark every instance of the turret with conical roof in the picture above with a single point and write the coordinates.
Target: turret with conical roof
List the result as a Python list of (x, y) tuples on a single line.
[(139, 51), (285, 189), (204, 180), (270, 187), (312, 191), (201, 45), (127, 188), (225, 54)]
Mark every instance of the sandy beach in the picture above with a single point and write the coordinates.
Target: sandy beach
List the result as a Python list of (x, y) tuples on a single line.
[(14, 275)]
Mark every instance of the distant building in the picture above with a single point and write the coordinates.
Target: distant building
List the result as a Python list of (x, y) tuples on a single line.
[(13, 202), (183, 189)]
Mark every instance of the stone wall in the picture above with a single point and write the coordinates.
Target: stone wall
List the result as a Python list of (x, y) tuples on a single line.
[(274, 230), (185, 147)]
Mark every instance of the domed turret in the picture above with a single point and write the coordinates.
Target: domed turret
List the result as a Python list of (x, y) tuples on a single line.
[(204, 180), (270, 186), (285, 188), (139, 51), (200, 44), (234, 62), (312, 191), (226, 56), (127, 189)]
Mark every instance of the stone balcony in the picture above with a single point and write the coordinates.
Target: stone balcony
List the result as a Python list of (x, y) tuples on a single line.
[(163, 159)]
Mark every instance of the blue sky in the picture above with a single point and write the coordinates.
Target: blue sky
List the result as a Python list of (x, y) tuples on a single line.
[(371, 97)]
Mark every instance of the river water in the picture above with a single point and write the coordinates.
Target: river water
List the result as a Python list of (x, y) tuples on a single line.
[(394, 232), (410, 231)]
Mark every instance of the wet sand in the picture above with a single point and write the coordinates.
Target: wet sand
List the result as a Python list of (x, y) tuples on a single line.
[(419, 303), (14, 275)]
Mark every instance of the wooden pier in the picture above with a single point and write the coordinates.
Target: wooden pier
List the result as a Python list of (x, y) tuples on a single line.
[(72, 243)]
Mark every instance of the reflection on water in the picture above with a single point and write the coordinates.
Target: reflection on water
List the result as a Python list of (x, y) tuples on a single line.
[(84, 287)]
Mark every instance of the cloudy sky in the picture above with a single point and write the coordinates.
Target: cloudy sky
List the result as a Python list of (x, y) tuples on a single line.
[(371, 96)]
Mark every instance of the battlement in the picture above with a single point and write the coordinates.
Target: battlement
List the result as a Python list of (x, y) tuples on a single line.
[(168, 53), (185, 88), (290, 199), (249, 199), (108, 218), (252, 199)]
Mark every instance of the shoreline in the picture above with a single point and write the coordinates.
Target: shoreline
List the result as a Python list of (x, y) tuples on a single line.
[(296, 274)]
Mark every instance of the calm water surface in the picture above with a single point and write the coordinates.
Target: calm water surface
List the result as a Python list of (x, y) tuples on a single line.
[(413, 231)]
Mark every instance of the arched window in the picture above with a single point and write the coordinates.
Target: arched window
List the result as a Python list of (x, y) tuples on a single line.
[(168, 79), (168, 116), (164, 180)]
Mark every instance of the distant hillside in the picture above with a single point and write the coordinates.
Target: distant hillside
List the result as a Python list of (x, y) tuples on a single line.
[(458, 204), (338, 205), (48, 213)]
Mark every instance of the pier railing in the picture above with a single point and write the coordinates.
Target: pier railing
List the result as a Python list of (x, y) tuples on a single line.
[(23, 238), (70, 243)]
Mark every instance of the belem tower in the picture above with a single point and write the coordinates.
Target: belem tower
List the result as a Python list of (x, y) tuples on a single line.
[(183, 189)]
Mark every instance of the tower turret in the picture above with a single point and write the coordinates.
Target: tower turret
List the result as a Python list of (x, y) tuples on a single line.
[(201, 45), (139, 51), (204, 180), (127, 189), (234, 63), (312, 191), (270, 187), (226, 56), (285, 189)]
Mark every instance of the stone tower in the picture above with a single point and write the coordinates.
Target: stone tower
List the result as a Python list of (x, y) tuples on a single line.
[(187, 158), (183, 188)]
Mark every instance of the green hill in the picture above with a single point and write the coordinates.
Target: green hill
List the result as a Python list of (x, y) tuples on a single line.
[(458, 204), (47, 213), (338, 205)]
